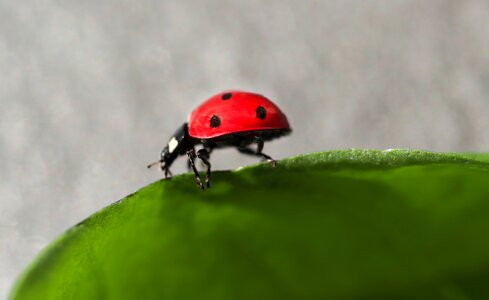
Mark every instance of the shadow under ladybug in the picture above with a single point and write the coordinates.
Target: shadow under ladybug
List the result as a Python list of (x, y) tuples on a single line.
[(228, 119)]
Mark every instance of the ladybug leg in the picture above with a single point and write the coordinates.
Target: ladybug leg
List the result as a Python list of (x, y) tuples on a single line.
[(204, 155), (189, 165), (166, 170), (259, 150), (245, 150), (191, 157), (208, 148)]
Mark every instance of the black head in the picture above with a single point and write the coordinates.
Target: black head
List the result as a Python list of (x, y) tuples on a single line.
[(178, 144)]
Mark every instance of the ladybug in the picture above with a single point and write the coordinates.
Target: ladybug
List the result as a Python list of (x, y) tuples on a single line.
[(228, 119)]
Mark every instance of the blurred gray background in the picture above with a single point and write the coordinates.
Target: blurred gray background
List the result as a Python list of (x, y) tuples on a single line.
[(91, 90)]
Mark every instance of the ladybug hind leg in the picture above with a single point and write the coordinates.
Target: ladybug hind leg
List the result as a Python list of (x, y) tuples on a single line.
[(243, 148)]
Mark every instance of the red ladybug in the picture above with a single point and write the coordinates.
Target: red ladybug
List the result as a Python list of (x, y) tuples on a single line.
[(231, 118)]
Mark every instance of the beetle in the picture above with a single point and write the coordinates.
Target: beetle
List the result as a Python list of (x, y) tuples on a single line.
[(227, 119)]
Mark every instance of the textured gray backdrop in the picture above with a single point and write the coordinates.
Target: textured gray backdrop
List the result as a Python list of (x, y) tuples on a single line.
[(91, 90)]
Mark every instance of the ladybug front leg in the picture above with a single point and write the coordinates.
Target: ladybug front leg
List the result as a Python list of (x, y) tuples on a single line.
[(191, 157), (166, 170), (204, 156)]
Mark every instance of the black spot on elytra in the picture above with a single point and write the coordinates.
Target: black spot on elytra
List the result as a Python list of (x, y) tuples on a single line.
[(226, 96), (261, 112), (215, 121)]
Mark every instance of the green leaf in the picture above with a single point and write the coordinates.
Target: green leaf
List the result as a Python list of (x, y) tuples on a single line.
[(355, 224)]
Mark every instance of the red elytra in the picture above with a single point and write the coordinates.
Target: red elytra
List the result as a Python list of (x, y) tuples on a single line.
[(238, 113), (228, 119)]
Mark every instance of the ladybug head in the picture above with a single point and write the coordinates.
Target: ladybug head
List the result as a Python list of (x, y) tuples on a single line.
[(177, 145)]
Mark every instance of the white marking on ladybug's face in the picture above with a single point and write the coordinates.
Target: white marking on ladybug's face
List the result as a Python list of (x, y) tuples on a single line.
[(172, 144)]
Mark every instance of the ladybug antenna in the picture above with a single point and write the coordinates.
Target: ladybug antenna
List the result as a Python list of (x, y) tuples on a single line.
[(155, 163)]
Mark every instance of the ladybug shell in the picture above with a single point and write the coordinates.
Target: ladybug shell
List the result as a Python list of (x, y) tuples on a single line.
[(233, 112)]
